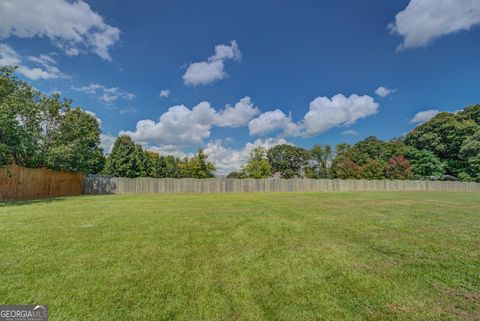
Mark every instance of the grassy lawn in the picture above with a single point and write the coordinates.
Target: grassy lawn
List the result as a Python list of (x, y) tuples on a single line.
[(328, 256)]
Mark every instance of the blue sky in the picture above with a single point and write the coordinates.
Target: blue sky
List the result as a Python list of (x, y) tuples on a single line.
[(237, 74)]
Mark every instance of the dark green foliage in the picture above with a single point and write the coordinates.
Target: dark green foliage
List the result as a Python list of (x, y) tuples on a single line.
[(235, 175), (470, 155), (470, 113), (38, 130), (75, 144), (128, 159), (153, 160), (393, 148), (21, 118), (142, 162), (169, 166), (370, 148), (288, 160), (444, 135), (424, 163), (122, 161)]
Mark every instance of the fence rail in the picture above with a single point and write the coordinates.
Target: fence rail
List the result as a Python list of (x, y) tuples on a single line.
[(119, 185), (20, 183)]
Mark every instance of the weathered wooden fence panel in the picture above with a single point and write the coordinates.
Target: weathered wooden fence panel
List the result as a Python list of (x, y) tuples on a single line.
[(20, 183), (120, 185)]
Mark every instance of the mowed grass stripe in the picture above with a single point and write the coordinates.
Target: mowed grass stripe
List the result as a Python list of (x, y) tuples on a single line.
[(265, 256)]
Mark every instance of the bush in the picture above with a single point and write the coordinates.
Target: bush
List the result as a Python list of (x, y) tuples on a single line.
[(398, 168), (345, 169), (373, 169)]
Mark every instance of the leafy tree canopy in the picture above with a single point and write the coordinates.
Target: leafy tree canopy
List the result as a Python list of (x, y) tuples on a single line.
[(258, 165), (122, 161), (38, 130), (288, 160), (199, 167), (373, 169), (424, 163), (444, 135)]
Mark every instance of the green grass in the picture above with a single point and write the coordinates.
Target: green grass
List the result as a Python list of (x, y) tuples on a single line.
[(326, 256)]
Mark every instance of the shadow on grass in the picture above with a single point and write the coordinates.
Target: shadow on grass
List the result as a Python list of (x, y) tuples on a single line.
[(49, 200)]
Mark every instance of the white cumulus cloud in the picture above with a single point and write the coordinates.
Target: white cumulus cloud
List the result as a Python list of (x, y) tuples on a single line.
[(424, 116), (181, 126), (70, 25), (237, 115), (207, 72), (324, 113), (423, 21), (271, 121), (178, 126)]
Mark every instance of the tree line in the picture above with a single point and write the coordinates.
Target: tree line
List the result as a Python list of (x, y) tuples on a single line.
[(128, 159), (38, 130), (446, 147)]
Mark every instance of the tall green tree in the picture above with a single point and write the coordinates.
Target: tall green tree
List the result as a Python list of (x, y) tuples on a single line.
[(122, 161), (74, 145), (288, 160), (257, 165), (21, 119), (199, 167), (153, 169), (444, 136), (142, 161), (370, 148), (38, 130)]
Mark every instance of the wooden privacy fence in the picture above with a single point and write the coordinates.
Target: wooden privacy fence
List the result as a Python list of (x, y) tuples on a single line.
[(20, 183), (119, 185)]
